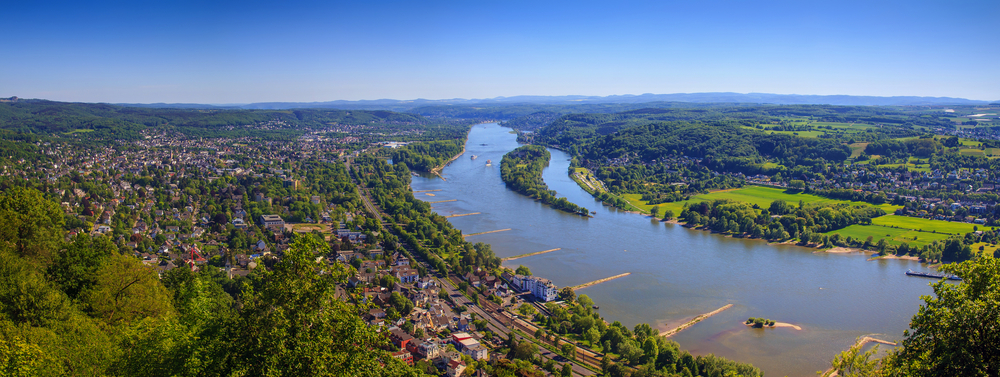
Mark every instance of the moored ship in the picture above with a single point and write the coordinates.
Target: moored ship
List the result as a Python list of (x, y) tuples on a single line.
[(932, 275)]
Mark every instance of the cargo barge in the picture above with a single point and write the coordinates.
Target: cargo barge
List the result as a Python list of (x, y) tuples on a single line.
[(932, 275)]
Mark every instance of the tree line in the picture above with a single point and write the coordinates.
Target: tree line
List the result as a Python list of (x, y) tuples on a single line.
[(521, 169)]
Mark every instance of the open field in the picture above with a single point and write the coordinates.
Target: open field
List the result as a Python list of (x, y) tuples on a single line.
[(812, 134), (971, 152), (987, 247), (857, 148), (923, 168), (914, 164), (893, 236), (927, 225), (759, 195)]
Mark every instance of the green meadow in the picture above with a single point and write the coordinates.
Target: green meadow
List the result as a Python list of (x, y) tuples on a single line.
[(893, 236), (759, 195), (927, 225), (914, 231)]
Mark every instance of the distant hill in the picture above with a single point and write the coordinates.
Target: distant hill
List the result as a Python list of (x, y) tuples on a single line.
[(721, 97)]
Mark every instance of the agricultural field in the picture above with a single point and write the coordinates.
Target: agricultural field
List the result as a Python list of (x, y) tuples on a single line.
[(856, 127), (812, 134), (893, 236), (915, 223), (971, 152), (759, 195), (914, 164), (857, 148), (970, 143)]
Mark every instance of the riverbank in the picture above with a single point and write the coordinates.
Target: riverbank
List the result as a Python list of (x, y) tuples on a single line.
[(437, 170), (675, 270)]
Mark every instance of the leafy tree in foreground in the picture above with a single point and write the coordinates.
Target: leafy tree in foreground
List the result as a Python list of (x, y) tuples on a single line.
[(956, 333), (291, 324)]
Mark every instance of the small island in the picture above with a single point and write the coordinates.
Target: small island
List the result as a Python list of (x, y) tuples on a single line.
[(759, 322), (521, 169)]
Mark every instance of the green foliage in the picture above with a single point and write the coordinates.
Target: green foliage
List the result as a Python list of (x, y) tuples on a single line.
[(854, 363), (424, 156), (521, 270), (107, 123), (125, 291), (75, 268), (521, 169), (955, 332), (32, 225), (291, 323), (526, 310), (567, 294)]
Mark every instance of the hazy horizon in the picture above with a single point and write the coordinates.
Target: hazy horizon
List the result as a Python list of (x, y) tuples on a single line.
[(228, 52)]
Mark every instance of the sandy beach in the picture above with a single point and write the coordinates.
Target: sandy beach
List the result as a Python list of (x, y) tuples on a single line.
[(841, 250), (906, 257)]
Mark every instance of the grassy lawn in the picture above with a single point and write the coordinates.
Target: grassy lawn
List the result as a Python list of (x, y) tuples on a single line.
[(927, 225), (894, 236), (759, 195)]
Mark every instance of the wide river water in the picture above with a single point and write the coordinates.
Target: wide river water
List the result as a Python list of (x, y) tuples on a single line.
[(678, 273)]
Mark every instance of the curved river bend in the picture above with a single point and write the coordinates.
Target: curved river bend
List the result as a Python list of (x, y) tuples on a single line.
[(679, 273)]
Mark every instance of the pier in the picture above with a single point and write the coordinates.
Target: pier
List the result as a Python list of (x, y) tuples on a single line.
[(529, 254), (443, 201), (696, 319), (419, 191), (581, 286), (464, 214), (492, 231)]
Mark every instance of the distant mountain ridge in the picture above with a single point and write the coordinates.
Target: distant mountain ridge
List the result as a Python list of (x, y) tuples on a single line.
[(719, 97)]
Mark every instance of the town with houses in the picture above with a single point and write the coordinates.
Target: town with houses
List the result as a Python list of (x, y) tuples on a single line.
[(234, 205)]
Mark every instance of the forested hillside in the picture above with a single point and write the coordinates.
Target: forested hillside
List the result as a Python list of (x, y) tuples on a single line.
[(112, 122), (77, 306)]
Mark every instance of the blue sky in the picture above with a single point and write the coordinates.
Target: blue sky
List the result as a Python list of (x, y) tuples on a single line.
[(249, 51)]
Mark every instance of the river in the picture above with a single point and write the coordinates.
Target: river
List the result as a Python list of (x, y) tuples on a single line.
[(678, 273)]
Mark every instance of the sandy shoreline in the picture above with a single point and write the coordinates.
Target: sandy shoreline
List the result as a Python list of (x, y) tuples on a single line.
[(842, 250)]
